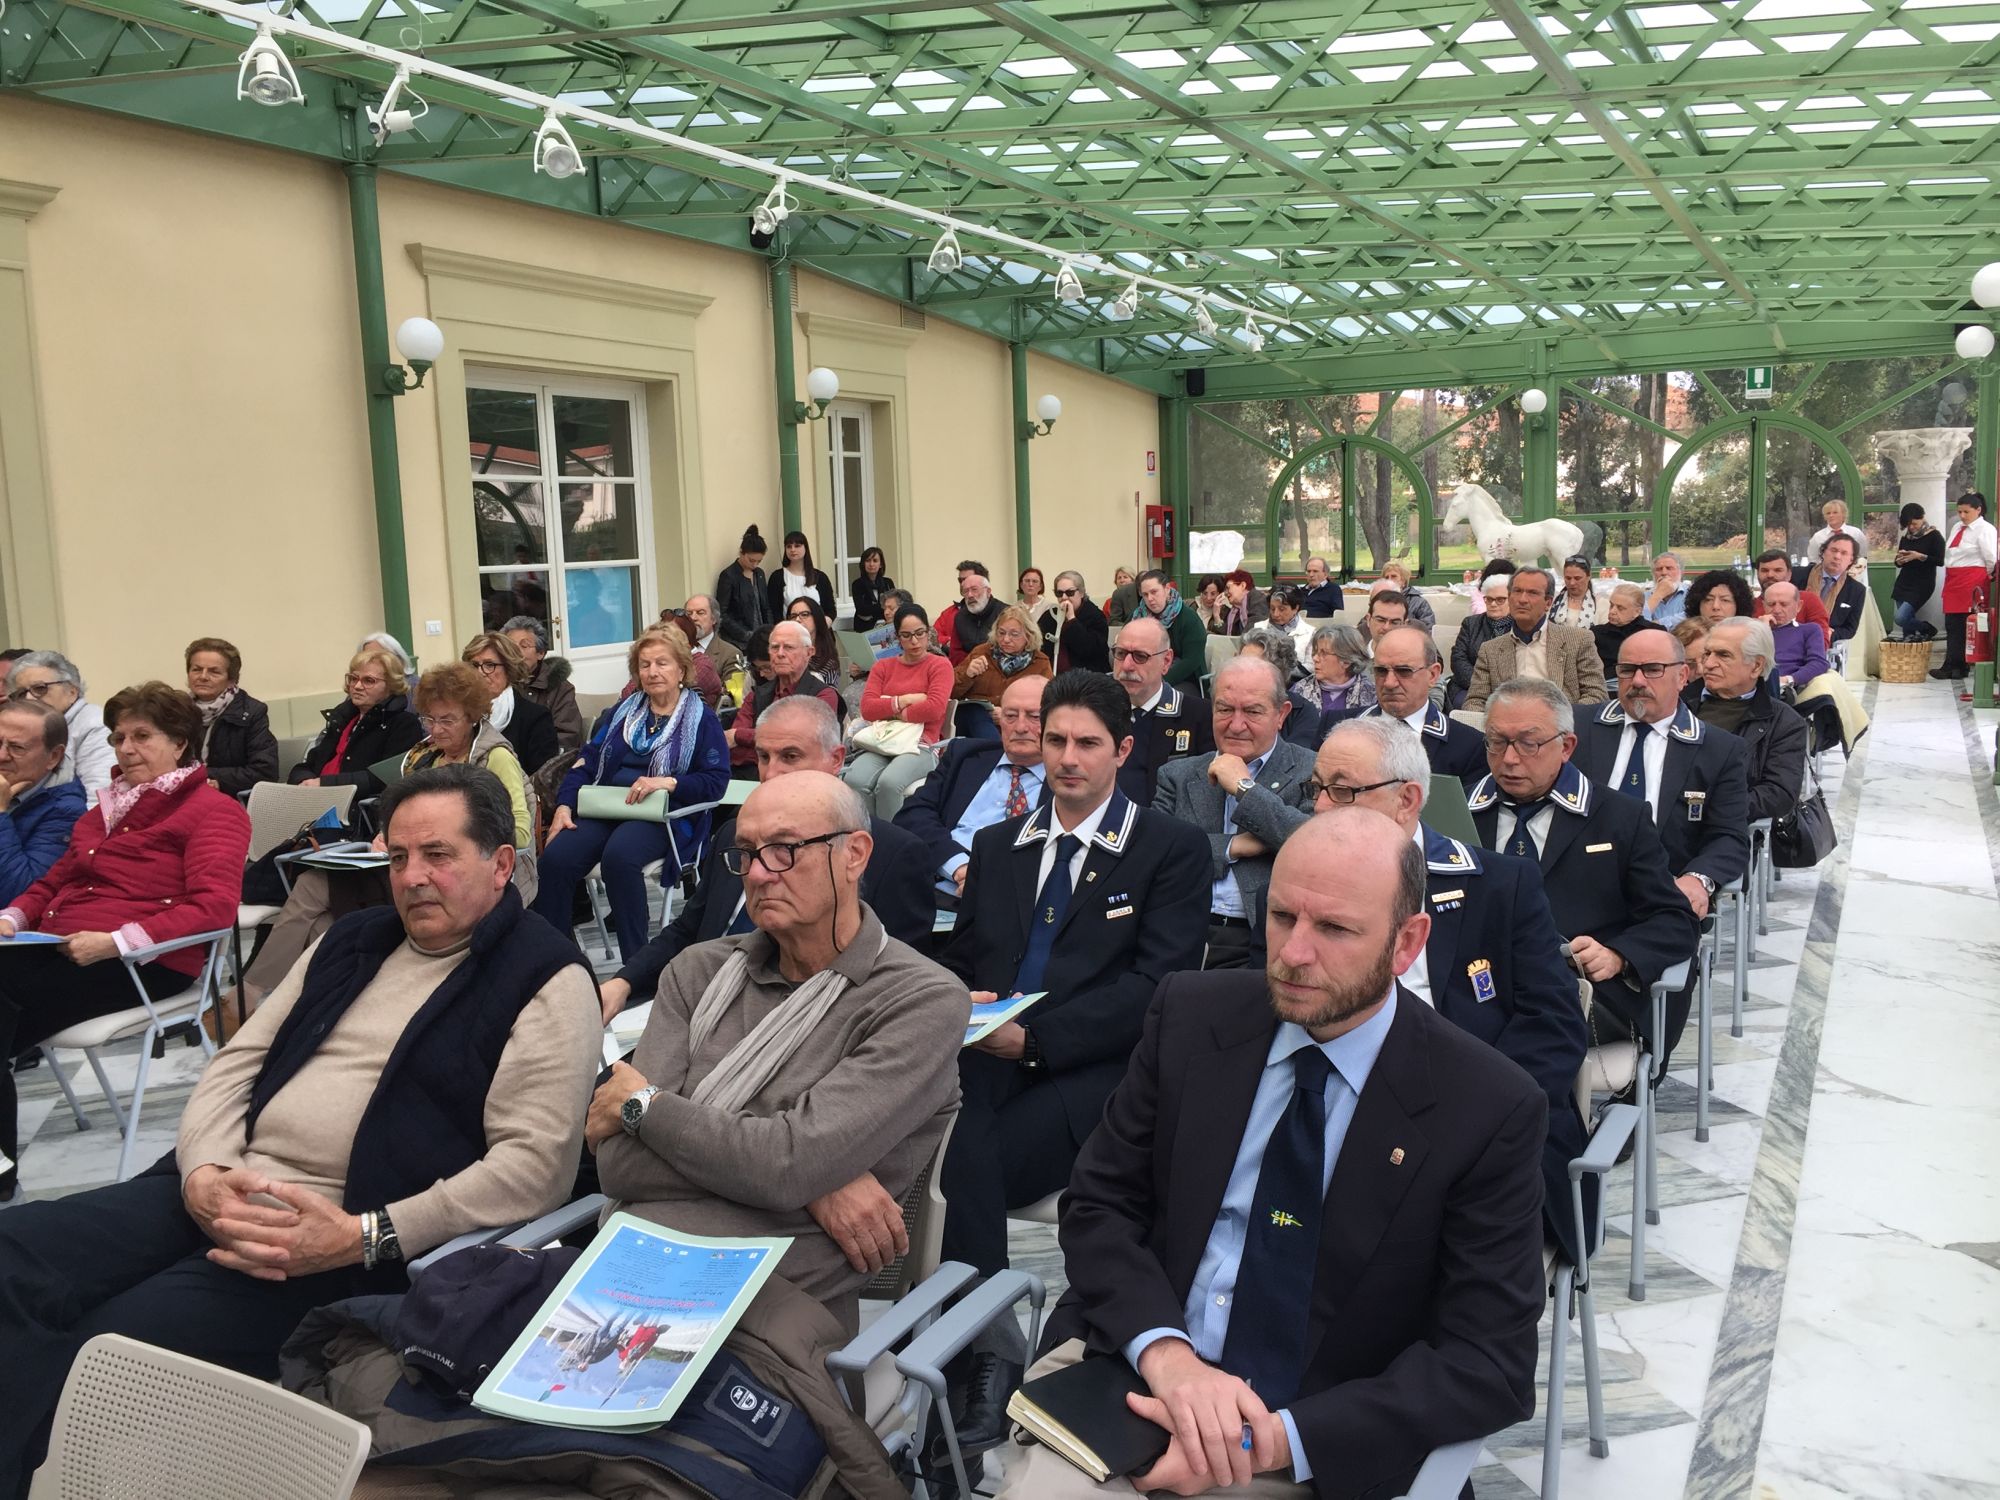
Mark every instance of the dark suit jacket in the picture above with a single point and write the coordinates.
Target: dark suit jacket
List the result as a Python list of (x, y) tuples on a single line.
[(242, 751), (1455, 749), (1421, 1328), (1488, 909), (1605, 873), (1179, 724), (1139, 912), (1704, 816), (1843, 614), (1084, 641), (1776, 738), (896, 885), (940, 800)]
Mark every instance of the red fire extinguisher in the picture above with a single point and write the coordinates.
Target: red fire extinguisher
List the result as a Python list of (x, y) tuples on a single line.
[(1979, 627)]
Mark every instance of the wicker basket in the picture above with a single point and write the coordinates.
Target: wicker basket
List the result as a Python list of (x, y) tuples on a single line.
[(1905, 661)]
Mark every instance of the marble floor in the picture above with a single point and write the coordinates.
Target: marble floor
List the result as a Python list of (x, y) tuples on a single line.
[(1822, 1314)]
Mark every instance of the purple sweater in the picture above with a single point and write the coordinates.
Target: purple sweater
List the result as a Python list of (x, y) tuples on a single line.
[(1801, 651)]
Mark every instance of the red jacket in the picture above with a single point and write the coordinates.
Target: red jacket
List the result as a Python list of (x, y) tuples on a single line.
[(174, 865)]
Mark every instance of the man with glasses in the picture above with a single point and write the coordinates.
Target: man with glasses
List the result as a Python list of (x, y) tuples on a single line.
[(1080, 640), (1248, 797), (1603, 866), (720, 1125), (1406, 667), (978, 783), (1387, 609), (52, 680), (39, 799), (1089, 901), (1167, 722), (1535, 646), (795, 734), (1322, 600)]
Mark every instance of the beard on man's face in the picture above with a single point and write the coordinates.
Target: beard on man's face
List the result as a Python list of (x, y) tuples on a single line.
[(1339, 996)]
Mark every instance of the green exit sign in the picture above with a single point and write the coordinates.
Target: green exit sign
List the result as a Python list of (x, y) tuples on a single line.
[(1757, 382)]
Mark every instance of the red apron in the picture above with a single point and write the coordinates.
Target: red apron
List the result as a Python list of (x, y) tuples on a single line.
[(1964, 588)]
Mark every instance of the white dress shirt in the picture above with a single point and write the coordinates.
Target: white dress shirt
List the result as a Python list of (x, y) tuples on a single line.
[(1417, 978), (1538, 827), (1655, 748), (1084, 830)]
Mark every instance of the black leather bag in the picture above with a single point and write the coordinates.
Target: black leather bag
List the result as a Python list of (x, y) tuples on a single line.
[(1804, 836)]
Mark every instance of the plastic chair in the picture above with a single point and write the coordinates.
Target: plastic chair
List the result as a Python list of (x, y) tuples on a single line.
[(277, 812), (149, 1020), (137, 1420)]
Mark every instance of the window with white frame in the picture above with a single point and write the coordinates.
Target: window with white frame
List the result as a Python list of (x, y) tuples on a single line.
[(851, 455)]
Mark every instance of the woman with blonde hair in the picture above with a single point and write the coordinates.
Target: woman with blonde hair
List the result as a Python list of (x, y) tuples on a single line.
[(372, 723), (1010, 652)]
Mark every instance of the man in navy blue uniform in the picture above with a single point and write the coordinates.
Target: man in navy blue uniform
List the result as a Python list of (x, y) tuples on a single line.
[(1168, 722)]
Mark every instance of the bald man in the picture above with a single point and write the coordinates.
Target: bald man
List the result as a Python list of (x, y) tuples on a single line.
[(1798, 645), (1312, 1214)]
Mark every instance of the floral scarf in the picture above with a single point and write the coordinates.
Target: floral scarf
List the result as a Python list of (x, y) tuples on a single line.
[(210, 713), (1172, 611), (668, 745), (122, 796)]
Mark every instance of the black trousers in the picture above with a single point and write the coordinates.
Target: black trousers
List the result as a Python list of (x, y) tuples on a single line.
[(42, 992), (128, 1259), (1954, 643), (1012, 1146), (1231, 947)]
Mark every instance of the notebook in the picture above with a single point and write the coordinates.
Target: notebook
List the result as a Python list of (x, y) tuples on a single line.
[(1080, 1414)]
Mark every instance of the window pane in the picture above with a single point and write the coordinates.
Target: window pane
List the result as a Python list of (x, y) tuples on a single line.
[(853, 524), (850, 434), (594, 436), (509, 522), (504, 595), (1707, 521), (600, 522), (504, 440), (601, 605)]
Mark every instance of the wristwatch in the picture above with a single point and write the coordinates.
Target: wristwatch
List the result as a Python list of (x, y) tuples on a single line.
[(1031, 1050), (379, 1243), (1243, 786), (1706, 884), (632, 1113)]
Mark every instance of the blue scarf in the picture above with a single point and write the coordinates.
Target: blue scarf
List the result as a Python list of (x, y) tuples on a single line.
[(1172, 612), (1014, 661), (668, 746)]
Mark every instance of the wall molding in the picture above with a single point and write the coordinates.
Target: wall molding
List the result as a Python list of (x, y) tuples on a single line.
[(30, 604)]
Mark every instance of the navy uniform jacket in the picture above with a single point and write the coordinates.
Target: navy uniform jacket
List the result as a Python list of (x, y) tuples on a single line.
[(1139, 912), (1455, 749), (1605, 874), (941, 798), (1179, 724), (897, 885), (1704, 801)]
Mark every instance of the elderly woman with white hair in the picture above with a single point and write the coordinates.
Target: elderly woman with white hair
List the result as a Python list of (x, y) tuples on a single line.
[(548, 679), (1342, 681), (52, 680)]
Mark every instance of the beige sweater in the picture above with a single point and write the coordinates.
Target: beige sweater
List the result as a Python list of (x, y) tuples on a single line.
[(871, 1091), (534, 1109)]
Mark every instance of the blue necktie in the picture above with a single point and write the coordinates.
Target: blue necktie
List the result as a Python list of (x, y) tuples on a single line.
[(1523, 843), (1635, 764), (1266, 1342), (1046, 917)]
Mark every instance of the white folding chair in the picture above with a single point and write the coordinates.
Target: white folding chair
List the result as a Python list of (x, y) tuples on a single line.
[(277, 812), (139, 1420), (149, 1020)]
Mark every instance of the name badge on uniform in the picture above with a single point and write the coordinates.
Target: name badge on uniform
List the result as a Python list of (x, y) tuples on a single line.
[(1599, 848), (1697, 803), (1444, 899), (1182, 739), (1480, 972)]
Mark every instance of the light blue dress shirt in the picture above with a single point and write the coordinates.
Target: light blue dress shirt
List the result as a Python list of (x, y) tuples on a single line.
[(1673, 609), (987, 807), (1212, 1293), (1225, 896)]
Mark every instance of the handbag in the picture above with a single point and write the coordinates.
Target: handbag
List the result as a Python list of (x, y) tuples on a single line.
[(608, 802), (888, 737), (1804, 836)]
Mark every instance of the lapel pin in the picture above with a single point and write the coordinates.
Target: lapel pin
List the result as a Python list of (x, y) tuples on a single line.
[(1396, 1157), (1088, 876)]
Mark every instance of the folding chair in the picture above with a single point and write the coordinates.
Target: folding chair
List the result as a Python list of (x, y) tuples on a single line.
[(149, 1020), (600, 901), (1645, 1159), (277, 812), (138, 1420)]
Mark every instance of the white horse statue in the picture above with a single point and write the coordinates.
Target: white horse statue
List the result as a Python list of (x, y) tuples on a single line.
[(1497, 536)]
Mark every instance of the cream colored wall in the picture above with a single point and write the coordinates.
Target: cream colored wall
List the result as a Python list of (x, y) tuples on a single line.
[(198, 361)]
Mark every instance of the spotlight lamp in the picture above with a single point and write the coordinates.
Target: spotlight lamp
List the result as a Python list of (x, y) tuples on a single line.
[(1534, 401), (1126, 308), (1974, 341), (1204, 321), (1047, 409), (1986, 285), (1069, 287), (1252, 336), (778, 206), (264, 74), (420, 341), (555, 152), (822, 386), (945, 257), (399, 110)]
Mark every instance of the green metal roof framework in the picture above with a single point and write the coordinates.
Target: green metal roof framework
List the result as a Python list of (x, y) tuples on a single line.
[(1444, 193)]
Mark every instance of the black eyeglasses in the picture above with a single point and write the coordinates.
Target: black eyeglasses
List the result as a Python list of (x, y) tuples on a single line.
[(1653, 670), (777, 858), (1343, 794), (38, 692), (1137, 658)]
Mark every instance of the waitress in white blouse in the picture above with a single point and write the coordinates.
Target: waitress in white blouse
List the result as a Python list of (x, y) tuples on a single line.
[(1969, 556)]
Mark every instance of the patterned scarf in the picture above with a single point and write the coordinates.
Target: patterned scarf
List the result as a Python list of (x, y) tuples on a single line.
[(122, 796), (1014, 661), (212, 710), (1172, 612), (668, 745)]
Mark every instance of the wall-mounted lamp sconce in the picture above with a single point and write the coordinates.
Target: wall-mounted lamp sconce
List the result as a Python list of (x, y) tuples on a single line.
[(1535, 401), (1047, 409), (420, 341), (822, 385), (1974, 341)]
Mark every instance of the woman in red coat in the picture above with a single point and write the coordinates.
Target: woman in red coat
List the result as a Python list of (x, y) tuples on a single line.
[(159, 857)]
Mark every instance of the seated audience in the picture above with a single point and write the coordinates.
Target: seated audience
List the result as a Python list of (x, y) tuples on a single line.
[(423, 1073), (548, 680), (1342, 681), (1577, 605), (174, 868), (1624, 617), (1835, 514), (1837, 581), (372, 723), (1247, 797), (796, 578), (1775, 567), (1603, 866), (1398, 576), (742, 602), (913, 687), (1209, 1241), (1405, 670), (1322, 600), (1167, 722), (40, 798), (1284, 615), (1209, 603), (1799, 648), (724, 1123), (52, 680), (702, 674), (1475, 630), (825, 658), (969, 622), (1082, 634), (799, 734), (1666, 601), (1919, 558), (1161, 602), (1243, 603), (662, 738), (699, 611), (529, 728), (1089, 901), (1718, 595), (1535, 646), (1493, 963), (236, 745), (1124, 601), (1735, 694), (790, 648), (1302, 721), (1007, 654), (870, 584), (1691, 631), (1387, 608), (978, 783)]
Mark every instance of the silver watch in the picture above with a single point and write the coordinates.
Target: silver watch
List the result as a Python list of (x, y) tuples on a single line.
[(1243, 786), (632, 1113)]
